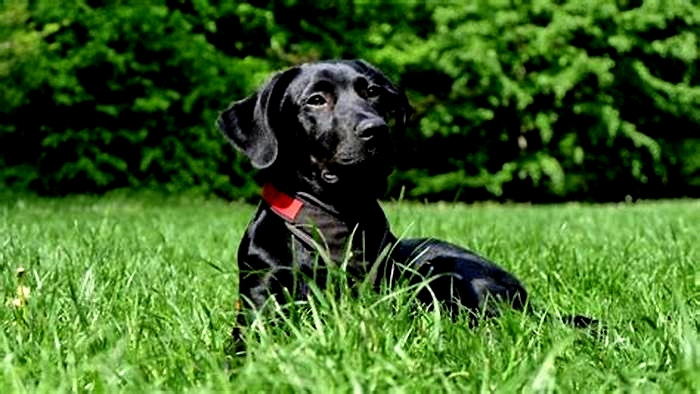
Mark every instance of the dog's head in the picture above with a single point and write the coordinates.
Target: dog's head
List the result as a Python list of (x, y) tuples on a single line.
[(324, 125)]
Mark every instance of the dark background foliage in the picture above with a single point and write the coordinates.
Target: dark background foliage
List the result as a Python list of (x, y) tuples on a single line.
[(537, 100)]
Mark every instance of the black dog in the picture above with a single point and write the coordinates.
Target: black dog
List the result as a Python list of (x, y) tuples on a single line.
[(321, 134)]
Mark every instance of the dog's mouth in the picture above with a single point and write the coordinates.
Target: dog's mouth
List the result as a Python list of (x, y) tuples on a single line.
[(328, 176), (355, 166), (359, 156), (358, 171)]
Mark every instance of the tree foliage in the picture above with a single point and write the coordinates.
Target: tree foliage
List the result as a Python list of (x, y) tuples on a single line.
[(536, 100)]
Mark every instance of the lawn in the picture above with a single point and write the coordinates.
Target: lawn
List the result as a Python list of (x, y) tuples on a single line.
[(135, 294)]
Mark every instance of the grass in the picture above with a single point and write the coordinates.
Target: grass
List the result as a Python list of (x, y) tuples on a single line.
[(134, 294)]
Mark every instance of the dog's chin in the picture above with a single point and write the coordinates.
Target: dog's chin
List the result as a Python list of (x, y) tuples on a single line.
[(366, 177)]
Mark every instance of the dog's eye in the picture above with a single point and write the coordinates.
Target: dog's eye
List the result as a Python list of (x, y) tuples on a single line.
[(316, 100), (374, 91)]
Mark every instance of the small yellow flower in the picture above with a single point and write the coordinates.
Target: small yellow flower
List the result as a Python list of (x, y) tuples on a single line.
[(22, 296), (17, 303), (23, 292)]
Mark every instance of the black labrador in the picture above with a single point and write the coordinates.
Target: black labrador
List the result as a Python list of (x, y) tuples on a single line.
[(321, 133)]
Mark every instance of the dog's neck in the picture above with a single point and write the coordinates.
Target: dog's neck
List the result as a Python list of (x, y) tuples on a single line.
[(326, 228), (348, 199)]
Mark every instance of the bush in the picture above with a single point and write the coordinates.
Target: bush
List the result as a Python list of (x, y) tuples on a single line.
[(545, 101), (126, 97), (529, 101)]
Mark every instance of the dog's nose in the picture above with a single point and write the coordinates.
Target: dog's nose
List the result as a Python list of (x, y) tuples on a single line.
[(369, 128)]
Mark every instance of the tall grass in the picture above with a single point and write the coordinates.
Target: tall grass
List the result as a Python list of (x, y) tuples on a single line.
[(136, 294)]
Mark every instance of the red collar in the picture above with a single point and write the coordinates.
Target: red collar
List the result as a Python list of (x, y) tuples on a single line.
[(282, 204)]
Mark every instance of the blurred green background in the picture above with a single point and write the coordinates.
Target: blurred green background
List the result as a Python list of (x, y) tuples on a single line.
[(538, 101)]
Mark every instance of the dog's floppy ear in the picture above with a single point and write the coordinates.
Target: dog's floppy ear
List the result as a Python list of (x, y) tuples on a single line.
[(402, 108), (248, 123)]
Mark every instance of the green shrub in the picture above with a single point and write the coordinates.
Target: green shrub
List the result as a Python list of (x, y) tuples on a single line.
[(550, 100), (126, 97), (534, 100)]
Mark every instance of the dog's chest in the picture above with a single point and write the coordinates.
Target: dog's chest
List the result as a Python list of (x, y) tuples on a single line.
[(326, 238)]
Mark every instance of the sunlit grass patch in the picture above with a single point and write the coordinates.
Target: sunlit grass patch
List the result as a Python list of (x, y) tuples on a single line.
[(137, 294)]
